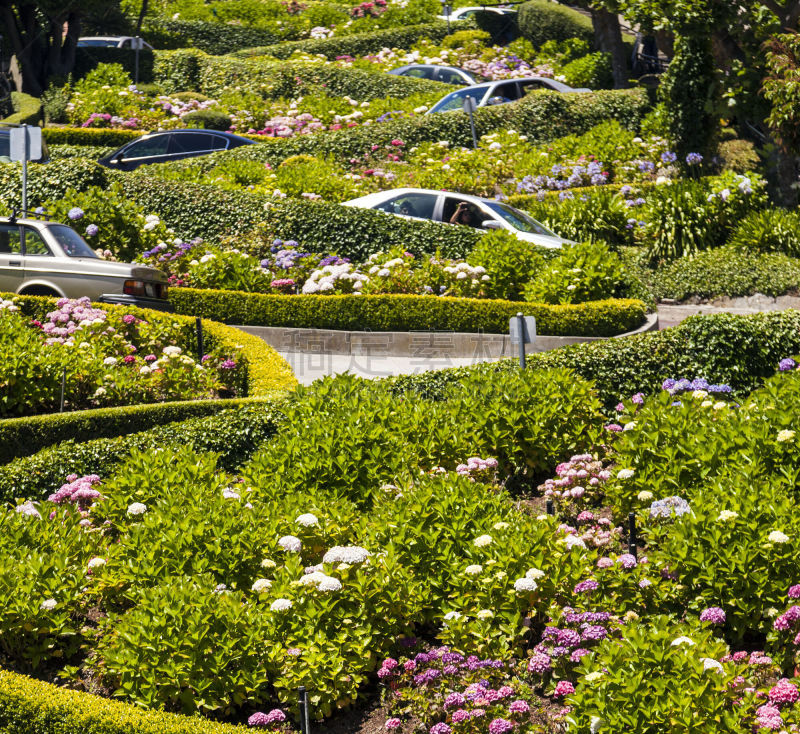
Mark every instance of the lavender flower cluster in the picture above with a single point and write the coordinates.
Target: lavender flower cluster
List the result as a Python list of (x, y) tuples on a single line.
[(78, 491), (675, 387), (581, 474), (669, 507), (71, 316), (564, 177)]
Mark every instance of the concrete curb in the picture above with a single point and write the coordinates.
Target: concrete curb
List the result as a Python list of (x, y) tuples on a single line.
[(417, 344)]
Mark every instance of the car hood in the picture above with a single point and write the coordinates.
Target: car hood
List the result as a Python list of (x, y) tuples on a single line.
[(541, 239)]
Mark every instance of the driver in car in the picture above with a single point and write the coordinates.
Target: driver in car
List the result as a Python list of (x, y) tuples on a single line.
[(464, 215)]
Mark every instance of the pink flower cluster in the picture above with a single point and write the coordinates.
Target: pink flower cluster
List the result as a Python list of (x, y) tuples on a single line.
[(477, 469), (79, 491), (274, 717), (71, 316), (580, 474), (594, 532), (714, 615), (788, 619), (783, 692), (768, 717)]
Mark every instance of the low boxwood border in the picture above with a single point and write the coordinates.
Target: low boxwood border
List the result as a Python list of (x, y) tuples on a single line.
[(408, 313), (27, 110), (29, 706)]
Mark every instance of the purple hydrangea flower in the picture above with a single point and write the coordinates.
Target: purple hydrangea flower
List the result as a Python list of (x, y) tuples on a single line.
[(92, 230), (440, 728), (500, 726), (787, 364), (539, 663), (627, 561), (75, 213), (694, 159), (668, 157), (583, 586), (715, 615)]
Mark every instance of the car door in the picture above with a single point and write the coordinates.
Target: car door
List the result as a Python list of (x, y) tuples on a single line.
[(11, 262), (507, 92), (151, 149), (411, 206)]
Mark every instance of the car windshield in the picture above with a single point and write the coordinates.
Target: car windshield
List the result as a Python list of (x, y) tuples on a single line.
[(100, 42), (455, 100), (519, 220), (71, 242)]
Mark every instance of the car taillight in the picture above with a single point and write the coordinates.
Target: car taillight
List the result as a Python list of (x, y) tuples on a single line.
[(133, 288)]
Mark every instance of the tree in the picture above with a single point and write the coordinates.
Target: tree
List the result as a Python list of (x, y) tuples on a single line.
[(43, 36)]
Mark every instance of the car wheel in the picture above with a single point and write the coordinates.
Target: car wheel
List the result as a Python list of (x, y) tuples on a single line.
[(39, 290)]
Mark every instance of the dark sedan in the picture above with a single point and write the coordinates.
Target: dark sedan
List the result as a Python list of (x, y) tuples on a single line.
[(171, 145)]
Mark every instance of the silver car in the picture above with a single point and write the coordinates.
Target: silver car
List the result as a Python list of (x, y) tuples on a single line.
[(42, 258)]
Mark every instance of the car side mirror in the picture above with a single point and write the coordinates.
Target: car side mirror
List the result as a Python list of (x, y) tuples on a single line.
[(491, 224)]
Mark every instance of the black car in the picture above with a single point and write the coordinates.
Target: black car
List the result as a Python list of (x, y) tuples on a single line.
[(5, 146), (171, 145)]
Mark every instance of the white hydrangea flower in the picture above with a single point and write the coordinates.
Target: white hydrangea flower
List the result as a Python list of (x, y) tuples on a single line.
[(48, 605), (172, 351), (534, 573), (644, 496), (785, 435), (229, 494), (290, 543), (776, 536), (281, 605), (452, 615), (573, 541), (524, 585), (711, 664), (593, 676), (261, 585), (307, 520), (500, 526), (473, 570), (268, 563), (96, 562), (137, 508), (482, 541), (485, 614), (682, 641), (726, 515), (329, 584), (110, 361), (625, 473), (349, 554), (312, 579)]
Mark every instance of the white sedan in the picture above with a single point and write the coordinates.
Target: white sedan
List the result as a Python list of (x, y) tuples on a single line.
[(464, 13), (459, 209)]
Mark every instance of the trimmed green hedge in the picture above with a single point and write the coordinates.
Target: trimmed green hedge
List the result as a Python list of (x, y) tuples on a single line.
[(87, 59), (190, 69), (407, 313), (25, 436), (213, 38), (544, 20), (89, 136), (357, 44), (234, 433), (27, 110), (29, 706), (723, 348)]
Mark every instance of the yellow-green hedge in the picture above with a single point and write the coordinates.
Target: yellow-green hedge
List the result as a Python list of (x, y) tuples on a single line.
[(27, 109), (104, 137), (29, 706), (408, 313)]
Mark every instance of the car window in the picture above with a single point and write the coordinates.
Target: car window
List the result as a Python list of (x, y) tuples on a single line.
[(157, 145), (33, 242), (473, 218), (219, 142), (191, 143), (9, 240), (519, 220), (449, 77), (509, 90), (532, 86), (97, 43), (71, 242), (417, 73), (455, 100), (411, 205)]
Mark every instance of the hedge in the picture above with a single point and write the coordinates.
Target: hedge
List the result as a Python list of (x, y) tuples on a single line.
[(213, 38), (29, 706), (407, 312), (25, 436), (357, 44), (234, 433), (267, 371), (189, 69), (545, 20), (541, 115), (88, 58), (27, 110), (106, 137), (738, 350)]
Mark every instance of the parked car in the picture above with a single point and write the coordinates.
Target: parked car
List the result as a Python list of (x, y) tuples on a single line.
[(171, 145), (500, 92), (5, 145), (442, 206), (464, 13), (446, 74), (42, 258), (109, 42)]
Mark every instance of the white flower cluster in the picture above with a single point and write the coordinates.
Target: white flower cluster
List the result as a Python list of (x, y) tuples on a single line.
[(137, 508), (322, 581), (350, 554), (482, 541), (307, 520), (261, 585), (290, 543), (281, 605), (465, 271), (524, 585), (6, 305), (325, 279)]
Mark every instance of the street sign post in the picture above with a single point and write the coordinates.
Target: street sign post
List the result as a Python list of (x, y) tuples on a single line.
[(469, 106), (26, 145), (137, 44), (523, 331)]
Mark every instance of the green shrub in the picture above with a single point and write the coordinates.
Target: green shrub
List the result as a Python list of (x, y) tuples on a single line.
[(406, 313), (582, 272), (592, 71), (509, 261), (213, 38), (543, 20), (738, 155), (27, 110), (726, 271), (356, 44), (210, 119), (54, 103), (736, 350), (51, 181), (90, 152), (96, 136), (234, 433), (770, 230), (88, 59), (21, 437)]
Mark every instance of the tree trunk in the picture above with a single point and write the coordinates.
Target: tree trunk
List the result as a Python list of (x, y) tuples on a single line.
[(140, 19), (608, 37), (786, 180)]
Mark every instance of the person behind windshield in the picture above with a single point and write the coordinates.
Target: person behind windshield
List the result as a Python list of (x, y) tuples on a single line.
[(464, 215)]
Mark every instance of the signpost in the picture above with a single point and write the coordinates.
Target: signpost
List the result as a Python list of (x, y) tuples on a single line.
[(137, 44), (523, 331), (26, 145), (469, 106)]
